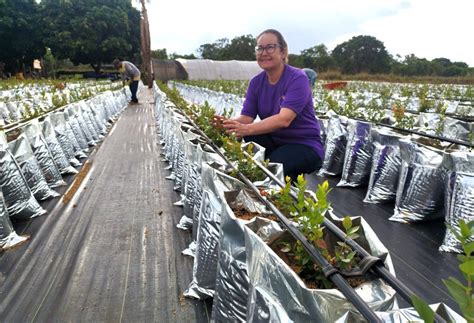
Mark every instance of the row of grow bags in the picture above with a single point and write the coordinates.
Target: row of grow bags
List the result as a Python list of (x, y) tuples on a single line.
[(233, 261), (425, 179), (425, 122), (47, 148), (426, 182)]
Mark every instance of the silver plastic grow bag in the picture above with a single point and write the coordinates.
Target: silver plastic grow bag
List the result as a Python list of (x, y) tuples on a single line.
[(59, 124), (19, 200), (358, 155), (214, 183), (459, 201), (78, 151), (60, 159), (43, 154), (190, 173), (232, 281), (420, 192), (278, 294), (457, 129), (335, 147), (405, 315), (30, 168), (385, 170), (77, 129), (8, 237)]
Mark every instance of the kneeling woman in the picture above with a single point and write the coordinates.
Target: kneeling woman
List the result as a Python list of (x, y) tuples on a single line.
[(281, 97)]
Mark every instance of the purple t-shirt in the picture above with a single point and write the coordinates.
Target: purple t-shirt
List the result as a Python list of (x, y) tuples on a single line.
[(292, 91)]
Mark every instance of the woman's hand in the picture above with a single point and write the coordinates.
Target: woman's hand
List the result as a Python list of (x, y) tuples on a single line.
[(236, 128), (217, 121)]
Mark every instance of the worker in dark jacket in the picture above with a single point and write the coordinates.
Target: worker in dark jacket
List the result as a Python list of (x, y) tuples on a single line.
[(131, 73), (312, 75)]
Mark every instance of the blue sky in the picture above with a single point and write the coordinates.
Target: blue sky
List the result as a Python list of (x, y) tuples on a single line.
[(428, 29)]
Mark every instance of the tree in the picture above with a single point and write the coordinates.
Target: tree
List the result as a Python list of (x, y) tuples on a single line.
[(362, 54), (159, 53), (145, 45), (20, 40), (215, 50), (91, 31), (444, 67), (318, 58), (185, 56), (239, 48), (412, 66), (296, 60)]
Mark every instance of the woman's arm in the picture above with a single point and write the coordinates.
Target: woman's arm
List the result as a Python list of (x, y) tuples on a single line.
[(267, 125)]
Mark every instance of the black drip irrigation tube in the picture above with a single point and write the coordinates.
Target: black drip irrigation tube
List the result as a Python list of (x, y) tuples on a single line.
[(422, 134), (330, 271)]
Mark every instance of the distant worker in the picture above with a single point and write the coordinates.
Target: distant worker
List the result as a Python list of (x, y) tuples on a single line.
[(311, 74), (130, 73)]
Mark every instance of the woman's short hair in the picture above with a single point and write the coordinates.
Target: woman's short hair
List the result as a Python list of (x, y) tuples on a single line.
[(281, 40)]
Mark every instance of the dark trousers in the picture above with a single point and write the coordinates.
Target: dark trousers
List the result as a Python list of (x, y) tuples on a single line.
[(134, 88), (296, 158)]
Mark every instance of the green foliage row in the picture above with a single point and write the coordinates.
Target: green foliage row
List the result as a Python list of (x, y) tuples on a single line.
[(203, 117), (395, 97)]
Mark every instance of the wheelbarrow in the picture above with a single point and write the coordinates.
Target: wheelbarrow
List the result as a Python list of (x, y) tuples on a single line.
[(335, 85)]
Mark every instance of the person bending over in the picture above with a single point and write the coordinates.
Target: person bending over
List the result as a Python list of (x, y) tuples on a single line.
[(281, 97), (131, 73)]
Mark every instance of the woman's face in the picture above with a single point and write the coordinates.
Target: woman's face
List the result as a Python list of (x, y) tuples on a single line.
[(273, 60)]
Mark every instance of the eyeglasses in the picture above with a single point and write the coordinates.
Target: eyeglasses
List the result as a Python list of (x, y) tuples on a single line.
[(270, 48)]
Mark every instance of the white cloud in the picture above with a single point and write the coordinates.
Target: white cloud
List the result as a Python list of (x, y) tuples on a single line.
[(427, 29)]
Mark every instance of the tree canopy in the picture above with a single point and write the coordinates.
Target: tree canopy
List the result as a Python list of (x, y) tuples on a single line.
[(91, 31), (239, 48), (85, 31), (362, 54), (97, 31), (19, 35)]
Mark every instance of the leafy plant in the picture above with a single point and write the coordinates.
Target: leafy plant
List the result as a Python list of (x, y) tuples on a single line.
[(461, 292), (243, 160), (375, 113), (343, 252), (425, 103), (203, 118), (309, 212), (331, 103), (442, 116), (402, 120)]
